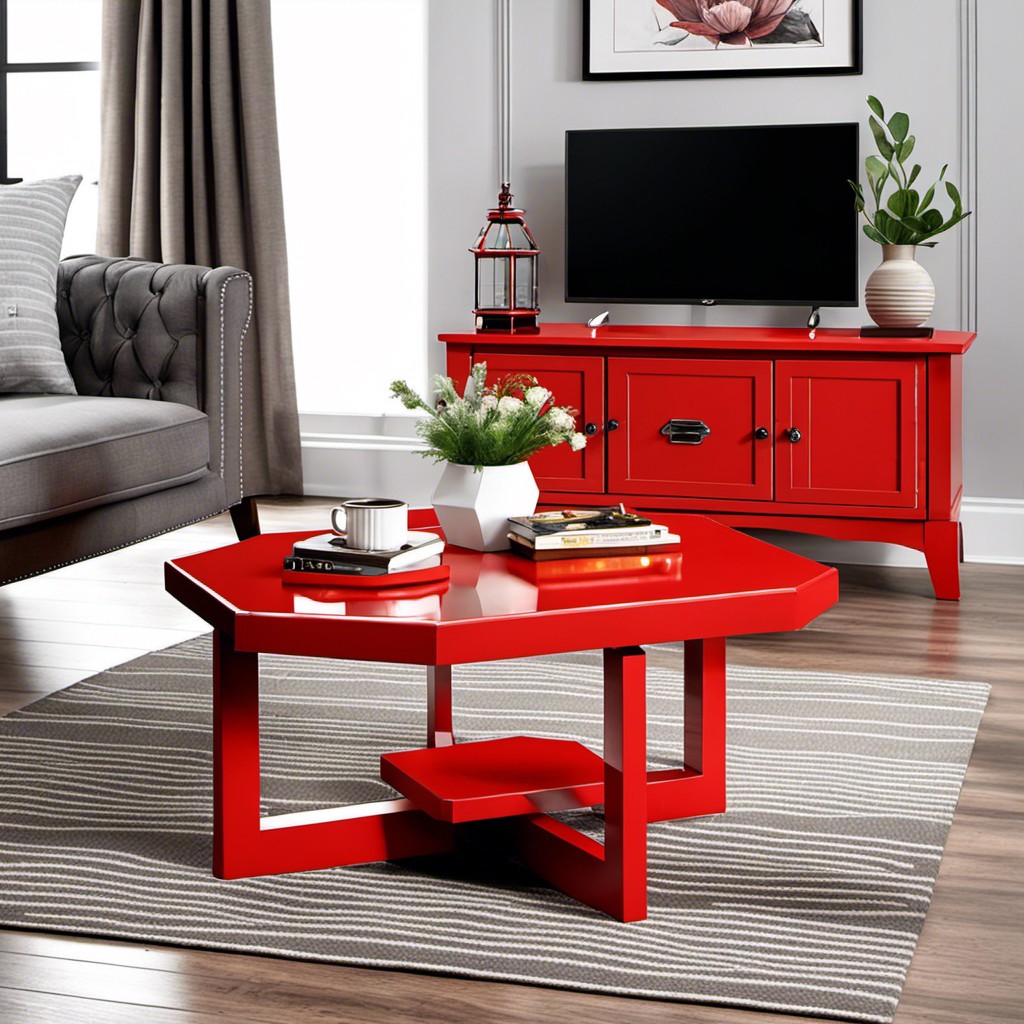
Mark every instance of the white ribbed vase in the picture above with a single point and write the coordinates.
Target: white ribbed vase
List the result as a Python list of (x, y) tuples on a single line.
[(473, 505), (899, 292)]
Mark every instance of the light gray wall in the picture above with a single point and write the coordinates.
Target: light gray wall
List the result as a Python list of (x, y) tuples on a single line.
[(915, 52), (462, 156)]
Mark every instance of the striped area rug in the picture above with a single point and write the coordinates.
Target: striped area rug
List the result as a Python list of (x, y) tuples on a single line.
[(807, 896)]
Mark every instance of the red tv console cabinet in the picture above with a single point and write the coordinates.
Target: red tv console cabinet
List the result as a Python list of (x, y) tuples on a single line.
[(847, 437)]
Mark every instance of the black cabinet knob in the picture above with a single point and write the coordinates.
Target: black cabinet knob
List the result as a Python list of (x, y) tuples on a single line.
[(590, 429), (761, 433), (612, 425), (794, 435)]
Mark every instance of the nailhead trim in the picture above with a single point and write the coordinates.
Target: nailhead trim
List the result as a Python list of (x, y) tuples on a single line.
[(241, 402)]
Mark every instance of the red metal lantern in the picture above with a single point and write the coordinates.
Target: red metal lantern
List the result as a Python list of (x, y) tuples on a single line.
[(506, 270)]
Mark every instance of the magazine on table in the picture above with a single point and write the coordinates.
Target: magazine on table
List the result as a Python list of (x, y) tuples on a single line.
[(573, 520), (597, 538), (542, 551)]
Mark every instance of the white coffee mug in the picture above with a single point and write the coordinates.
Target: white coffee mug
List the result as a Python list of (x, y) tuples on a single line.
[(372, 524)]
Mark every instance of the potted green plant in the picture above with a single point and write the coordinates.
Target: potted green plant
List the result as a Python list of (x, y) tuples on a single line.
[(485, 437), (900, 292)]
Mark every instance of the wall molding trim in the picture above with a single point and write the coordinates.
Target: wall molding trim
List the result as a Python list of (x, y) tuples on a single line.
[(968, 163), (360, 442)]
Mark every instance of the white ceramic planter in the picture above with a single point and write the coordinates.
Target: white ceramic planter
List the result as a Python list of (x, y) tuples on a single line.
[(899, 292), (473, 506)]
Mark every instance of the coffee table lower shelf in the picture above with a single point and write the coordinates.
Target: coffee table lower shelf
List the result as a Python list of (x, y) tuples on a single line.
[(497, 778)]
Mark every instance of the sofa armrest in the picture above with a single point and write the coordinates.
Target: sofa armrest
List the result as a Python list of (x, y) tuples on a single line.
[(223, 389), (165, 332)]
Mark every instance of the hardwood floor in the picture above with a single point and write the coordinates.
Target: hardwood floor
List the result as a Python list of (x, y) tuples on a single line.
[(65, 626)]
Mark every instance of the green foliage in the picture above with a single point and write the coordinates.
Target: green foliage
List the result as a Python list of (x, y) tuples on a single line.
[(906, 217), (496, 425)]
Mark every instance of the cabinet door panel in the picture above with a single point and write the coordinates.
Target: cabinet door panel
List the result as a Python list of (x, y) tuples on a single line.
[(733, 397), (574, 381), (861, 432)]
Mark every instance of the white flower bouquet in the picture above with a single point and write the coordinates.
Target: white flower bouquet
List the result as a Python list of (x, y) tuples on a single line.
[(499, 424)]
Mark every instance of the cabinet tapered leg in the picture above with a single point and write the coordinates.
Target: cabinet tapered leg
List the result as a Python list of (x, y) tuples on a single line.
[(942, 551)]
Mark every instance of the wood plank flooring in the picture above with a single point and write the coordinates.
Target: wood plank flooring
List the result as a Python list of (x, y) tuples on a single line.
[(68, 624)]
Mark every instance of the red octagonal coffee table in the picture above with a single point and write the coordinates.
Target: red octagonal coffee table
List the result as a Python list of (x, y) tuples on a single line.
[(497, 606)]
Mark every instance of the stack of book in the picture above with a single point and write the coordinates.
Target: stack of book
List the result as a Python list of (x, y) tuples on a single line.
[(328, 555), (586, 533)]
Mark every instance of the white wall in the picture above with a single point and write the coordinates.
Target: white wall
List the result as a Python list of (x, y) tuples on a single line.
[(919, 56), (366, 455), (351, 101)]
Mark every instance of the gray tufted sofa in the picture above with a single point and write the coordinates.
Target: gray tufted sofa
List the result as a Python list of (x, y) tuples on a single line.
[(153, 439)]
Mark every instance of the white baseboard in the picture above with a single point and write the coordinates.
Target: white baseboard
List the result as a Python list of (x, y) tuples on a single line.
[(993, 530), (383, 460)]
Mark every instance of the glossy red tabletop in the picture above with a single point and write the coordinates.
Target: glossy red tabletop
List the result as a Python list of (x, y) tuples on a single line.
[(500, 605)]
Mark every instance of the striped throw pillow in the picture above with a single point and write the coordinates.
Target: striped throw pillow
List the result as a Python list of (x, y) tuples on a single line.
[(32, 219)]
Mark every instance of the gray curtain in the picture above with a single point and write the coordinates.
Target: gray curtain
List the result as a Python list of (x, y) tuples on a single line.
[(190, 173)]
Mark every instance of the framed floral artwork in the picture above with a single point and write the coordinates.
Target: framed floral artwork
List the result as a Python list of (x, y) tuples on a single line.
[(716, 38)]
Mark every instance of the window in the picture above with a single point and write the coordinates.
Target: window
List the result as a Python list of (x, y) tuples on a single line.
[(50, 102), (350, 77)]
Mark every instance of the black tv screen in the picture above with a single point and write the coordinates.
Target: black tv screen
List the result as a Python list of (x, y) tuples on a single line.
[(755, 215)]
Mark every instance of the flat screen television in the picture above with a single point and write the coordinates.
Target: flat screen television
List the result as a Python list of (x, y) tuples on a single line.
[(753, 215)]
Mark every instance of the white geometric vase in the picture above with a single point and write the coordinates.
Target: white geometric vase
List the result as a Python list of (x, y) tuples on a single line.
[(899, 292), (473, 505)]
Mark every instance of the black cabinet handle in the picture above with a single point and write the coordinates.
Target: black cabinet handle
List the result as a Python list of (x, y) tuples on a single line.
[(686, 431), (590, 429), (612, 425), (761, 434), (794, 435)]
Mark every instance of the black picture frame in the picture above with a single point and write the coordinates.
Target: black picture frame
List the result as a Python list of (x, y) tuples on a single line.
[(853, 65)]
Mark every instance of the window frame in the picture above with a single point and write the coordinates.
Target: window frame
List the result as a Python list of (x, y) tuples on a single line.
[(8, 68)]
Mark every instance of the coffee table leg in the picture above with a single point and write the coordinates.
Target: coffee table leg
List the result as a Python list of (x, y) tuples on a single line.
[(699, 786), (245, 844), (610, 877), (625, 781), (704, 717), (440, 732), (236, 757)]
